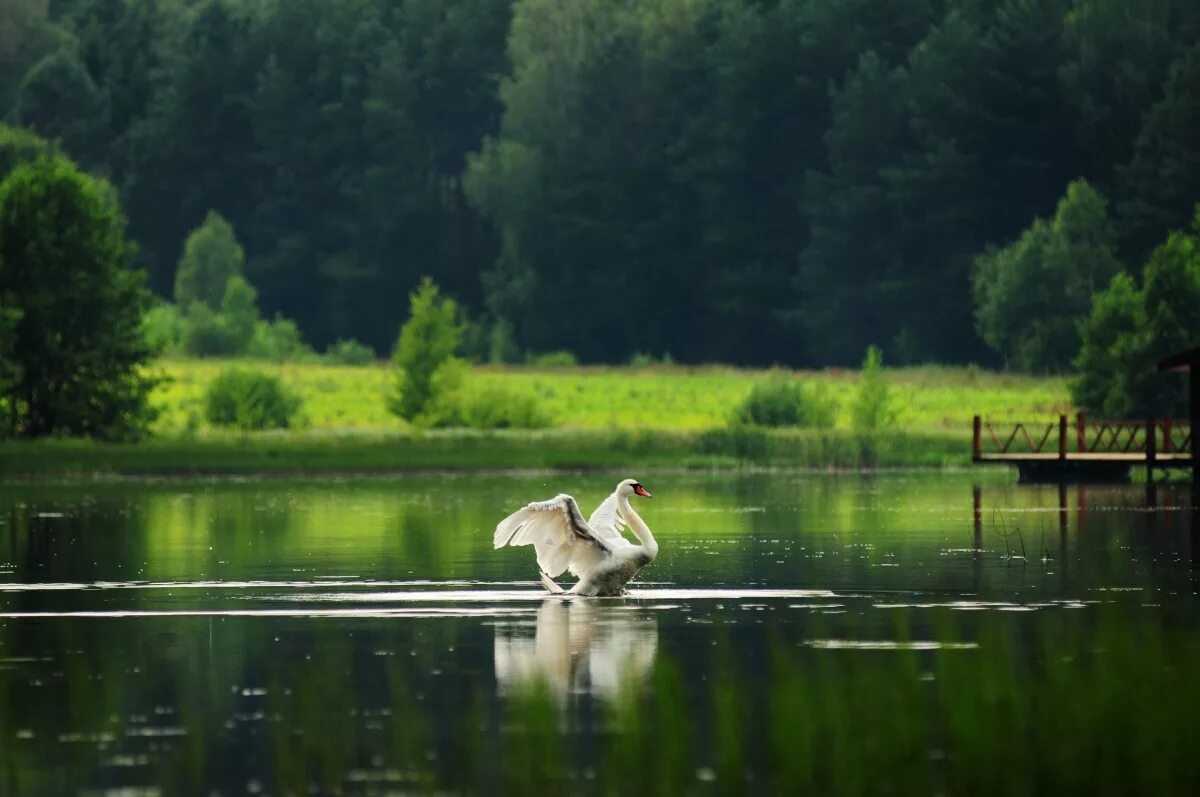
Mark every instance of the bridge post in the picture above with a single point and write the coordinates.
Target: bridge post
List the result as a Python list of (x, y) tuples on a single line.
[(1080, 433), (1062, 438), (977, 440), (1167, 434), (1151, 448)]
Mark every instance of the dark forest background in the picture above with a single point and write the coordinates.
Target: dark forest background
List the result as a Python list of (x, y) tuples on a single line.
[(750, 181)]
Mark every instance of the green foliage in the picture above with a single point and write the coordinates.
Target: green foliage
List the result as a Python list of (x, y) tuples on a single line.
[(164, 328), (874, 407), (19, 146), (1111, 355), (206, 334), (1031, 294), (59, 101), (783, 401), (502, 348), (349, 352), (77, 348), (279, 339), (458, 401), (249, 400), (1130, 329), (553, 359), (239, 311), (211, 258), (427, 342)]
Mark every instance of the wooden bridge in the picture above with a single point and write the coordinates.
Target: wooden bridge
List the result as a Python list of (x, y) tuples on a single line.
[(1086, 448)]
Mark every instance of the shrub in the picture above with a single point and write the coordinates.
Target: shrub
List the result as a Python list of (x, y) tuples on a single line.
[(349, 352), (489, 408), (164, 327), (554, 359), (279, 340), (239, 311), (249, 400), (874, 405), (427, 341), (205, 333), (781, 401)]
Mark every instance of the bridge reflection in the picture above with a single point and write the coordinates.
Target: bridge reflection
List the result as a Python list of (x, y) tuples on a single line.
[(1161, 504)]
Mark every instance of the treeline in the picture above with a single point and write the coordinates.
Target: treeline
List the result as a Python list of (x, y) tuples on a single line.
[(744, 180)]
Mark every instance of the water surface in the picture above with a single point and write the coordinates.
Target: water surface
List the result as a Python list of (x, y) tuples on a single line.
[(359, 635)]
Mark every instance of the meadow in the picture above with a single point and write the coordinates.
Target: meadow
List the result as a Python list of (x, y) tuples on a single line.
[(345, 398), (603, 418)]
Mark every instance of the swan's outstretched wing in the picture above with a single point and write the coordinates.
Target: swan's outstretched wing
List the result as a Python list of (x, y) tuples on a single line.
[(558, 533), (606, 522)]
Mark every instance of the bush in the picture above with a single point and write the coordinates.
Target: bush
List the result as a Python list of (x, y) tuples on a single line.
[(874, 406), (781, 401), (164, 328), (349, 352), (279, 340), (554, 359), (205, 333), (427, 341), (489, 408), (249, 400), (239, 311)]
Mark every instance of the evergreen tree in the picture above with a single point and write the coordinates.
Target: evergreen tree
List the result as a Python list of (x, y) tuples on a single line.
[(427, 343), (211, 258), (58, 100)]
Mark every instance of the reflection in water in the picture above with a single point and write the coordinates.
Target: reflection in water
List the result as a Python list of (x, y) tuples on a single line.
[(351, 637), (578, 647)]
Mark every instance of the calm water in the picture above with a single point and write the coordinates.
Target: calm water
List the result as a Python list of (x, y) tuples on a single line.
[(320, 636)]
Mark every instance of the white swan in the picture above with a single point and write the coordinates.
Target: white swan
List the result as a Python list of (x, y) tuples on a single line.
[(595, 552)]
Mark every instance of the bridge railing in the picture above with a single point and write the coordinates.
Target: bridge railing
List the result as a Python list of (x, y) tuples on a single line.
[(1149, 437)]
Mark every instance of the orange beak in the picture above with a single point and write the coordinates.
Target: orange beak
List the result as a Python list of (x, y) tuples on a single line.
[(640, 490)]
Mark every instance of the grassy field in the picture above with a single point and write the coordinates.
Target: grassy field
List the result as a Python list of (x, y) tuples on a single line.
[(352, 398), (663, 417)]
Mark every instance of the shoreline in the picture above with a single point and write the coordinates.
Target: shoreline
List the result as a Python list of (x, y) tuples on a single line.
[(271, 454)]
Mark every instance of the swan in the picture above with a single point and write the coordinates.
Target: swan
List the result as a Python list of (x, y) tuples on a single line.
[(595, 551)]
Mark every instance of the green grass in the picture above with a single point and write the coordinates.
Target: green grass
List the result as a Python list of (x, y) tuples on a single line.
[(346, 398), (604, 418), (580, 449)]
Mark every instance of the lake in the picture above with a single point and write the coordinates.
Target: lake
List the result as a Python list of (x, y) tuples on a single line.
[(901, 633)]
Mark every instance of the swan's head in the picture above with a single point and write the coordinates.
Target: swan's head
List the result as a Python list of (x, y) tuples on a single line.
[(632, 487)]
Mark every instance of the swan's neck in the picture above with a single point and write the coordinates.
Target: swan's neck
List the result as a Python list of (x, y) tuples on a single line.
[(639, 528)]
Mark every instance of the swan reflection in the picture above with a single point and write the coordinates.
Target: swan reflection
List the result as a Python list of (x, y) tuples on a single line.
[(577, 648)]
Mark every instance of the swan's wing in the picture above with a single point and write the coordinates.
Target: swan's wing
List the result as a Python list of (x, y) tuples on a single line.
[(558, 533), (606, 522)]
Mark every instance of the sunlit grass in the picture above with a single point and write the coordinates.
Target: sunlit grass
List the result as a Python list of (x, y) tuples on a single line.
[(352, 398)]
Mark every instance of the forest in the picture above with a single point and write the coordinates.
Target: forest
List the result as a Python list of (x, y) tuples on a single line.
[(744, 181)]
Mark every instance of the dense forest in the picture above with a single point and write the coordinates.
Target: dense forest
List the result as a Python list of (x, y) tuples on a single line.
[(752, 181)]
